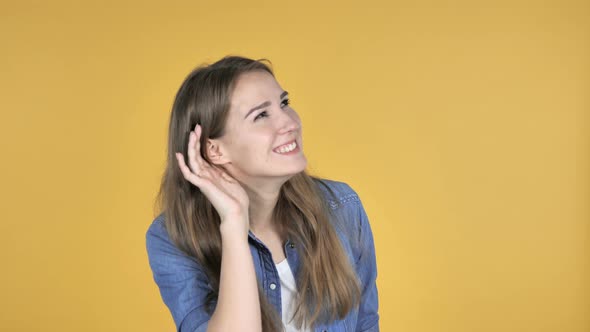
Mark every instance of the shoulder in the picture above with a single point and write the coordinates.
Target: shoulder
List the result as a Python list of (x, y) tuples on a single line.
[(160, 247), (156, 231), (157, 224), (337, 193), (349, 217)]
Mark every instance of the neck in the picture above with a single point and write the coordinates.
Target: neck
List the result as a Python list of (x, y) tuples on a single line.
[(263, 197)]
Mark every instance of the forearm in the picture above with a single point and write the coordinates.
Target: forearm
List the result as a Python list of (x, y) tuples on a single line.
[(238, 305)]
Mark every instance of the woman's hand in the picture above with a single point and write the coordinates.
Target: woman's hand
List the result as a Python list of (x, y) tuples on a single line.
[(223, 191)]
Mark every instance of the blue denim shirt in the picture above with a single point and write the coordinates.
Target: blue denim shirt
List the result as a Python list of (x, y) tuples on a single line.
[(183, 284)]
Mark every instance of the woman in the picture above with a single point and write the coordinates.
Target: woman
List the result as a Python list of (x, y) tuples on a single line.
[(246, 240)]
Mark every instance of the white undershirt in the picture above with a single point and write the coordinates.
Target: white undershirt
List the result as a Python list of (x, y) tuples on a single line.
[(288, 292)]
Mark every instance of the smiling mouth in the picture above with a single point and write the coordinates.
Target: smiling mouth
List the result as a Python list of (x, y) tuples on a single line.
[(286, 148)]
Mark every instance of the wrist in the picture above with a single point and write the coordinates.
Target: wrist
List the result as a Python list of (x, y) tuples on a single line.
[(237, 226)]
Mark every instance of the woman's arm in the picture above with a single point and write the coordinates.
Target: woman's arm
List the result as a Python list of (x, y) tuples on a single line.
[(184, 285), (368, 317), (182, 282), (238, 306)]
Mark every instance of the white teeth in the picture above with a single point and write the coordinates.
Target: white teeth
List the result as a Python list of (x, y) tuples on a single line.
[(287, 148)]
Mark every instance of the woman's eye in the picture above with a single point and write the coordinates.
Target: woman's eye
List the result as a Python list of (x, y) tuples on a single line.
[(262, 114)]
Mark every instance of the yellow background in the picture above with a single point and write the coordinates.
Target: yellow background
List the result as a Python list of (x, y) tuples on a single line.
[(463, 126)]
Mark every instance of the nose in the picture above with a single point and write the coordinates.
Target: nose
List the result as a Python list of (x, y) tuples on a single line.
[(289, 121)]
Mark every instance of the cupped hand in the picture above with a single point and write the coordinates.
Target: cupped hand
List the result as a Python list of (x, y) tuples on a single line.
[(223, 191)]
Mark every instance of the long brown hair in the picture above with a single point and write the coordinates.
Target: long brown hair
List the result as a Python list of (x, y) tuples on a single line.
[(327, 284)]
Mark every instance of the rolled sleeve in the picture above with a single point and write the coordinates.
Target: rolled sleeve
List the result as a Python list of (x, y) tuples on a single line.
[(182, 282)]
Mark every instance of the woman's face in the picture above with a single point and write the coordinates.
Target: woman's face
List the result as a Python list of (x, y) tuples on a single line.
[(263, 133)]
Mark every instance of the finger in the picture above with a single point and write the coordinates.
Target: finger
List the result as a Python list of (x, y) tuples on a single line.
[(227, 177), (193, 154), (186, 172), (197, 132)]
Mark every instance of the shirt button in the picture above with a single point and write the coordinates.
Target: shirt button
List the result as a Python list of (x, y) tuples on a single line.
[(292, 245), (273, 286)]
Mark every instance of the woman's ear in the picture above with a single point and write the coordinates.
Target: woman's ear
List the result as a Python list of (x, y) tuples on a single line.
[(215, 152)]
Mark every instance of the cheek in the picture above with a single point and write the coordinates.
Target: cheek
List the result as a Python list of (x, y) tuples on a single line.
[(250, 147)]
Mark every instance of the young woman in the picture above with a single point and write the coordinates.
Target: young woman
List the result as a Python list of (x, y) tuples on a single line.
[(245, 239)]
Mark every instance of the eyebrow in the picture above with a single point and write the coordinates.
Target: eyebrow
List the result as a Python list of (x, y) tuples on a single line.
[(265, 104)]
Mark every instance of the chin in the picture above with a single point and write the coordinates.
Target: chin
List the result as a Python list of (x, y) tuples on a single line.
[(295, 170), (301, 165)]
